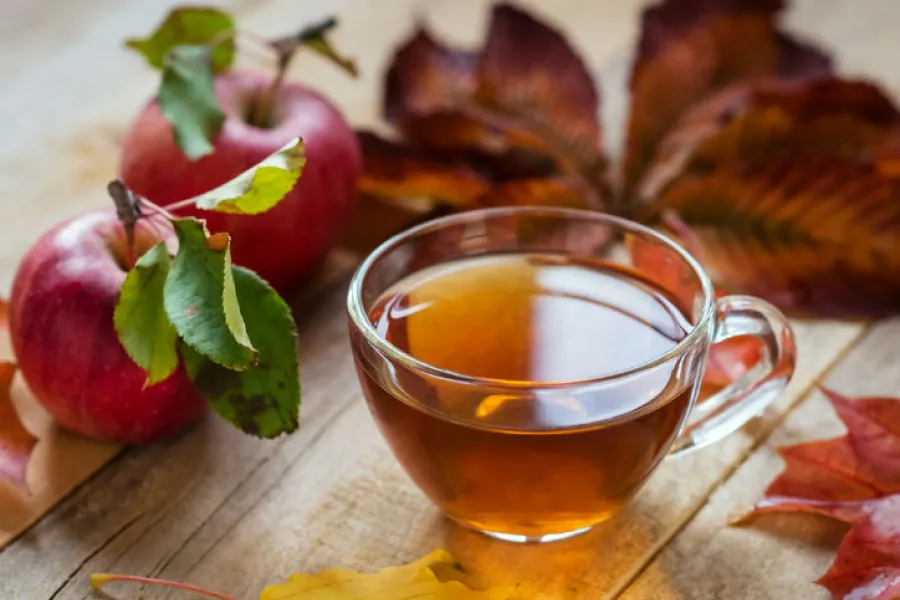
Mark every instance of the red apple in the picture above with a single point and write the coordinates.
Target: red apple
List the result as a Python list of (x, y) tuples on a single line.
[(283, 244), (61, 323)]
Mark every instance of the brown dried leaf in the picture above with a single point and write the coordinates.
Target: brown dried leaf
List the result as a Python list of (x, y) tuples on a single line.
[(807, 234), (397, 171), (558, 192), (690, 49), (752, 121), (526, 93), (16, 443), (426, 77)]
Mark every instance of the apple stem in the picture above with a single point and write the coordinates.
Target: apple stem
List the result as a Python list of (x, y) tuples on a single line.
[(262, 109), (128, 209), (100, 579), (285, 49)]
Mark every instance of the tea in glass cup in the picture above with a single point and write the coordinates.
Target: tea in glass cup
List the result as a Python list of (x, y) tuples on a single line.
[(530, 367)]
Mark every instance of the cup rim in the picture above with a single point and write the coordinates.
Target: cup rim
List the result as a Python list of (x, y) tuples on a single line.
[(360, 317)]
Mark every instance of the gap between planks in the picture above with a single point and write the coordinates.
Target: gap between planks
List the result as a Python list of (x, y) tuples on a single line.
[(628, 578)]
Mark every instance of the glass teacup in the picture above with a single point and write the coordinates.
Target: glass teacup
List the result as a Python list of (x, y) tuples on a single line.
[(519, 452)]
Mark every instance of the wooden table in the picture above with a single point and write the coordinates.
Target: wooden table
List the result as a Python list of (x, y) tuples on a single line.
[(218, 509)]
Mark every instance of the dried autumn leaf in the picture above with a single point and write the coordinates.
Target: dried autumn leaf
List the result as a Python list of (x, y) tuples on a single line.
[(397, 171), (853, 478), (418, 580), (753, 121), (885, 157), (558, 192), (690, 49), (524, 105), (786, 230), (16, 443), (413, 581), (723, 104), (863, 464)]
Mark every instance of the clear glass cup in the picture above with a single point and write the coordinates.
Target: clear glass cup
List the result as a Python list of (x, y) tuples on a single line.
[(541, 485)]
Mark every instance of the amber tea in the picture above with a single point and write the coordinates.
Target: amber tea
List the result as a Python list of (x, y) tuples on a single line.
[(532, 463)]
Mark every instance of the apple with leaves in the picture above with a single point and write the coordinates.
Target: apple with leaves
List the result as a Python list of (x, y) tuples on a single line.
[(208, 123), (126, 325)]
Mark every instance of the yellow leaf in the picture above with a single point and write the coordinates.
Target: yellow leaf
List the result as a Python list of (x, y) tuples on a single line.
[(416, 580)]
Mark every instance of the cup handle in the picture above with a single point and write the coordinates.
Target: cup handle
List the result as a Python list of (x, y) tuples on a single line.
[(729, 409)]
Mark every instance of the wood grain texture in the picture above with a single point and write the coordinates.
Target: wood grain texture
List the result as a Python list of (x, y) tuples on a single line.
[(776, 556), (216, 508)]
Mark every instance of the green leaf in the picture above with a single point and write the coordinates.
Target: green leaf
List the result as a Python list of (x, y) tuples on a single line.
[(189, 27), (188, 100), (313, 37), (260, 188), (200, 298), (140, 318), (263, 400)]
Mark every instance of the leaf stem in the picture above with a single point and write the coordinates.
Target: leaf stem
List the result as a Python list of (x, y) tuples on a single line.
[(100, 579), (157, 209), (285, 49), (176, 206)]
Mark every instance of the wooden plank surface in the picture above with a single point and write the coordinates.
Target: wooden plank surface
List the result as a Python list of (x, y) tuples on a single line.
[(775, 556), (219, 509)]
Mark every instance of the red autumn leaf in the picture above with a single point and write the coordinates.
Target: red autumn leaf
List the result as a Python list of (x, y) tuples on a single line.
[(863, 464), (853, 478), (784, 229), (16, 443), (690, 49), (749, 122)]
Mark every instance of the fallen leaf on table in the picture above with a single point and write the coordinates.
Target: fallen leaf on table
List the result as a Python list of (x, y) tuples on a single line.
[(414, 581), (854, 478), (16, 443)]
